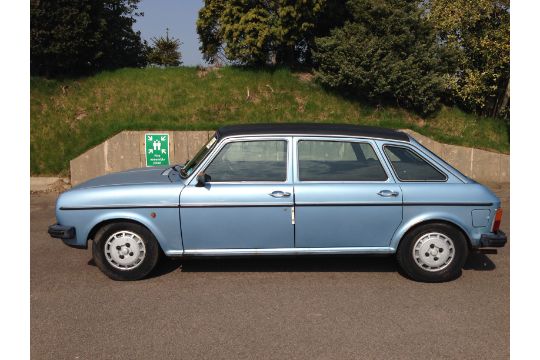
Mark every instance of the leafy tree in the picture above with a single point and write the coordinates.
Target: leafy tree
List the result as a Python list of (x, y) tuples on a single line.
[(165, 51), (385, 51), (261, 32), (479, 33), (74, 37), (209, 30)]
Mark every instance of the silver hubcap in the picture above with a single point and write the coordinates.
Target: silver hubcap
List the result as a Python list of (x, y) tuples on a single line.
[(125, 250), (433, 251)]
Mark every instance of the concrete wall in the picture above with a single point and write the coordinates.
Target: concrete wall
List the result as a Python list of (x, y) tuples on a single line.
[(126, 151)]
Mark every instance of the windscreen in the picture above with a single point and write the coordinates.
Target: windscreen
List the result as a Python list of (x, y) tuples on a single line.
[(201, 154)]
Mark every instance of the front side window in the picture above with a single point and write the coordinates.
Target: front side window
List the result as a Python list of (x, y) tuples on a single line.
[(409, 166), (264, 160), (338, 161)]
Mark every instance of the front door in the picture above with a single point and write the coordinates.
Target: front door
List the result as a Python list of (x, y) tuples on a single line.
[(343, 195), (247, 200)]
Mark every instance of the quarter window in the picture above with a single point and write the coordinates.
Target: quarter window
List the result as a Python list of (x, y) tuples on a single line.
[(264, 160), (338, 161), (409, 166)]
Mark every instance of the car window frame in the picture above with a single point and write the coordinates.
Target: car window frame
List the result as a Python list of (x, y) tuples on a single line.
[(430, 163), (297, 139), (217, 149)]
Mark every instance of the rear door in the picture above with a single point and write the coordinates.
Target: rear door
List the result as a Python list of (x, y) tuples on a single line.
[(344, 195)]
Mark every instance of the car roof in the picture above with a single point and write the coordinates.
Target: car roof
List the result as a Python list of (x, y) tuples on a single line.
[(312, 129)]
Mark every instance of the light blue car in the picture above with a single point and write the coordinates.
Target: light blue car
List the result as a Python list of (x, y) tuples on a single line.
[(288, 189)]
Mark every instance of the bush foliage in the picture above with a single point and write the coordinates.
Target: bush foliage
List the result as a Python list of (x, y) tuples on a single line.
[(260, 32), (385, 52), (77, 37), (479, 34), (165, 51), (415, 53)]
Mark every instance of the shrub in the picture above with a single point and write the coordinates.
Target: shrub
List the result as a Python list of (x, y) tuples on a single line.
[(387, 51)]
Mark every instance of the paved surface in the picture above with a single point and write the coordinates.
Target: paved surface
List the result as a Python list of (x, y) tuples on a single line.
[(293, 308)]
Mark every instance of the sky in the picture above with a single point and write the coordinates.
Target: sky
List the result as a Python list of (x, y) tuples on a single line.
[(177, 15)]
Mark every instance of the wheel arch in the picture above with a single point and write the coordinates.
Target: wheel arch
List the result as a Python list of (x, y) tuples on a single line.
[(405, 231), (93, 231)]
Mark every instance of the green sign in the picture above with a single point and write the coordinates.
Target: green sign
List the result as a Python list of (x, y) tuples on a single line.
[(157, 149)]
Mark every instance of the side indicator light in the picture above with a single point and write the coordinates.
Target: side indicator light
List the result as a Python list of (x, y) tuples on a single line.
[(153, 215), (497, 220)]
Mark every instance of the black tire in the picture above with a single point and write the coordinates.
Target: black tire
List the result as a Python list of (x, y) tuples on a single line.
[(450, 270), (148, 258)]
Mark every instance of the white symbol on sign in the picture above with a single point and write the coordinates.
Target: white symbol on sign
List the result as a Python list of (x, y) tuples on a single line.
[(149, 138), (157, 145), (163, 138), (163, 151), (150, 151)]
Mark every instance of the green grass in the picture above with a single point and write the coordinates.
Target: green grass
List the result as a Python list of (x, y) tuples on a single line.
[(69, 117)]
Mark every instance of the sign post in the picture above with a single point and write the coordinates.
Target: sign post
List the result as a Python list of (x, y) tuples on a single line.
[(157, 149)]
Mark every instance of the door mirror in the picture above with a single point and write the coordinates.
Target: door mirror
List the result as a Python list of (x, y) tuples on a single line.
[(201, 179)]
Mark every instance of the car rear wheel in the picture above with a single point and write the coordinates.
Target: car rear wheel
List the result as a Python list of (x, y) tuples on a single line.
[(433, 253), (125, 251)]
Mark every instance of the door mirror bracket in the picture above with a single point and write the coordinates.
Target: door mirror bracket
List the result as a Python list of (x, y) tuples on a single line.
[(201, 179)]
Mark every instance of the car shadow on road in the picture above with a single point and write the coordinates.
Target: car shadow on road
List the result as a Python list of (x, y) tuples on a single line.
[(291, 264), (164, 266), (475, 261), (479, 261)]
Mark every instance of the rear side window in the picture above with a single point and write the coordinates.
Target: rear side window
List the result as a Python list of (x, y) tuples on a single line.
[(264, 160), (409, 166), (338, 161)]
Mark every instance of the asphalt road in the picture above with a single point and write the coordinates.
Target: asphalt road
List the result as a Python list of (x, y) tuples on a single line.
[(292, 308)]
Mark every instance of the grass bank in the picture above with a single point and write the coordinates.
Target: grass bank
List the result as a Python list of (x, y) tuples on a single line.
[(69, 117)]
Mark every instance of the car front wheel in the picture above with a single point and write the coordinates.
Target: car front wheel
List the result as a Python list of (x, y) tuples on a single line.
[(125, 251), (433, 253)]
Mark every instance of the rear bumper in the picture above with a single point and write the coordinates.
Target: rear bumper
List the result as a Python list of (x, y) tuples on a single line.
[(62, 232), (497, 239)]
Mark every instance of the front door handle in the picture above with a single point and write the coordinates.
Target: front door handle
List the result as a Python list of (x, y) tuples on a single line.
[(280, 194), (387, 193)]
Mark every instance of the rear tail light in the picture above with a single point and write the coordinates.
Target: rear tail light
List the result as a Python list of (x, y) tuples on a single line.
[(497, 220)]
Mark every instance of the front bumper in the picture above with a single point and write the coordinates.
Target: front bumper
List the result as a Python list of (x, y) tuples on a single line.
[(62, 232), (497, 239)]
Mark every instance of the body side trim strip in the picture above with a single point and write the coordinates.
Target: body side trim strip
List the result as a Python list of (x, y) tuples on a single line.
[(392, 204), (223, 205), (282, 251), (219, 205), (446, 204), (124, 206), (348, 204)]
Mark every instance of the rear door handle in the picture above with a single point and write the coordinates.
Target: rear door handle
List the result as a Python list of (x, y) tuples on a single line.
[(280, 194), (387, 193)]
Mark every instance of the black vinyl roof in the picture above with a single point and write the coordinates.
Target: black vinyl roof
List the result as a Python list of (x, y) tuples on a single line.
[(315, 129)]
